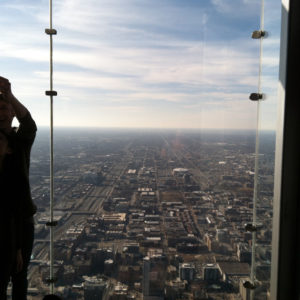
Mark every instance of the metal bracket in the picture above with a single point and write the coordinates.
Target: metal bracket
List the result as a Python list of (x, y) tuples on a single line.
[(249, 285), (50, 31), (255, 96), (51, 280), (257, 34), (51, 224), (250, 227), (51, 93)]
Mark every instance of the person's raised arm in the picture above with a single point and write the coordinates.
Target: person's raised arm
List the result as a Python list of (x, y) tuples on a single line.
[(19, 109)]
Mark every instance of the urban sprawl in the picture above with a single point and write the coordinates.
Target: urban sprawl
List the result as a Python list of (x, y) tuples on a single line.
[(152, 215)]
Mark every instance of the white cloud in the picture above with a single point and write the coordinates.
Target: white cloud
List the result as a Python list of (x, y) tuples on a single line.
[(237, 8), (115, 59)]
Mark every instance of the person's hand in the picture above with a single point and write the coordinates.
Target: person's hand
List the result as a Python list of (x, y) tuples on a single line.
[(19, 261), (5, 88)]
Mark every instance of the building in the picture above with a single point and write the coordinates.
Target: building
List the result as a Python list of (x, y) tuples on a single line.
[(94, 288), (244, 292), (222, 235), (233, 269), (211, 272), (154, 276), (244, 253), (174, 289), (186, 271), (180, 171)]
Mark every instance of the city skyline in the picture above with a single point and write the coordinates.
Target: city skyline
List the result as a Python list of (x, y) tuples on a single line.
[(132, 204), (161, 65)]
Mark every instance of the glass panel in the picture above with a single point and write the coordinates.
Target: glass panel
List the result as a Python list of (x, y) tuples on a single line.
[(267, 135), (154, 144)]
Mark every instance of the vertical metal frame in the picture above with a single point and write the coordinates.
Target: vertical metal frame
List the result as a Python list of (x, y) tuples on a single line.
[(51, 254), (256, 162), (50, 31), (285, 277)]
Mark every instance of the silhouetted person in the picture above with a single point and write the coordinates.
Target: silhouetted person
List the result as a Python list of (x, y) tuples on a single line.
[(7, 217), (10, 215), (21, 140)]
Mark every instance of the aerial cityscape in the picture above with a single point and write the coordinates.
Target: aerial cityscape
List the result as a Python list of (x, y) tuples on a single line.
[(152, 214), (142, 209)]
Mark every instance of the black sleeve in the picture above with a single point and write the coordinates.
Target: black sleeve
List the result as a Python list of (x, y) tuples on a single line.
[(27, 129), (25, 136), (19, 208), (19, 231)]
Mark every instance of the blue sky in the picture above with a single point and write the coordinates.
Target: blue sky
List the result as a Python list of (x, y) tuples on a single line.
[(142, 63)]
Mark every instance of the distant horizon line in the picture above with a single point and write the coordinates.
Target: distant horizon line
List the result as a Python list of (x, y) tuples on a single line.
[(153, 128), (218, 130)]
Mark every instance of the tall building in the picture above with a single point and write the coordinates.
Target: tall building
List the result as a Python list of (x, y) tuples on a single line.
[(154, 276)]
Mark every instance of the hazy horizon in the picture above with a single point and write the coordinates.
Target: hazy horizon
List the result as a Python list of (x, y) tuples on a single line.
[(252, 130)]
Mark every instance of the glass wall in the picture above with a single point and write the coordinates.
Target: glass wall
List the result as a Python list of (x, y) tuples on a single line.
[(160, 158), (267, 126)]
